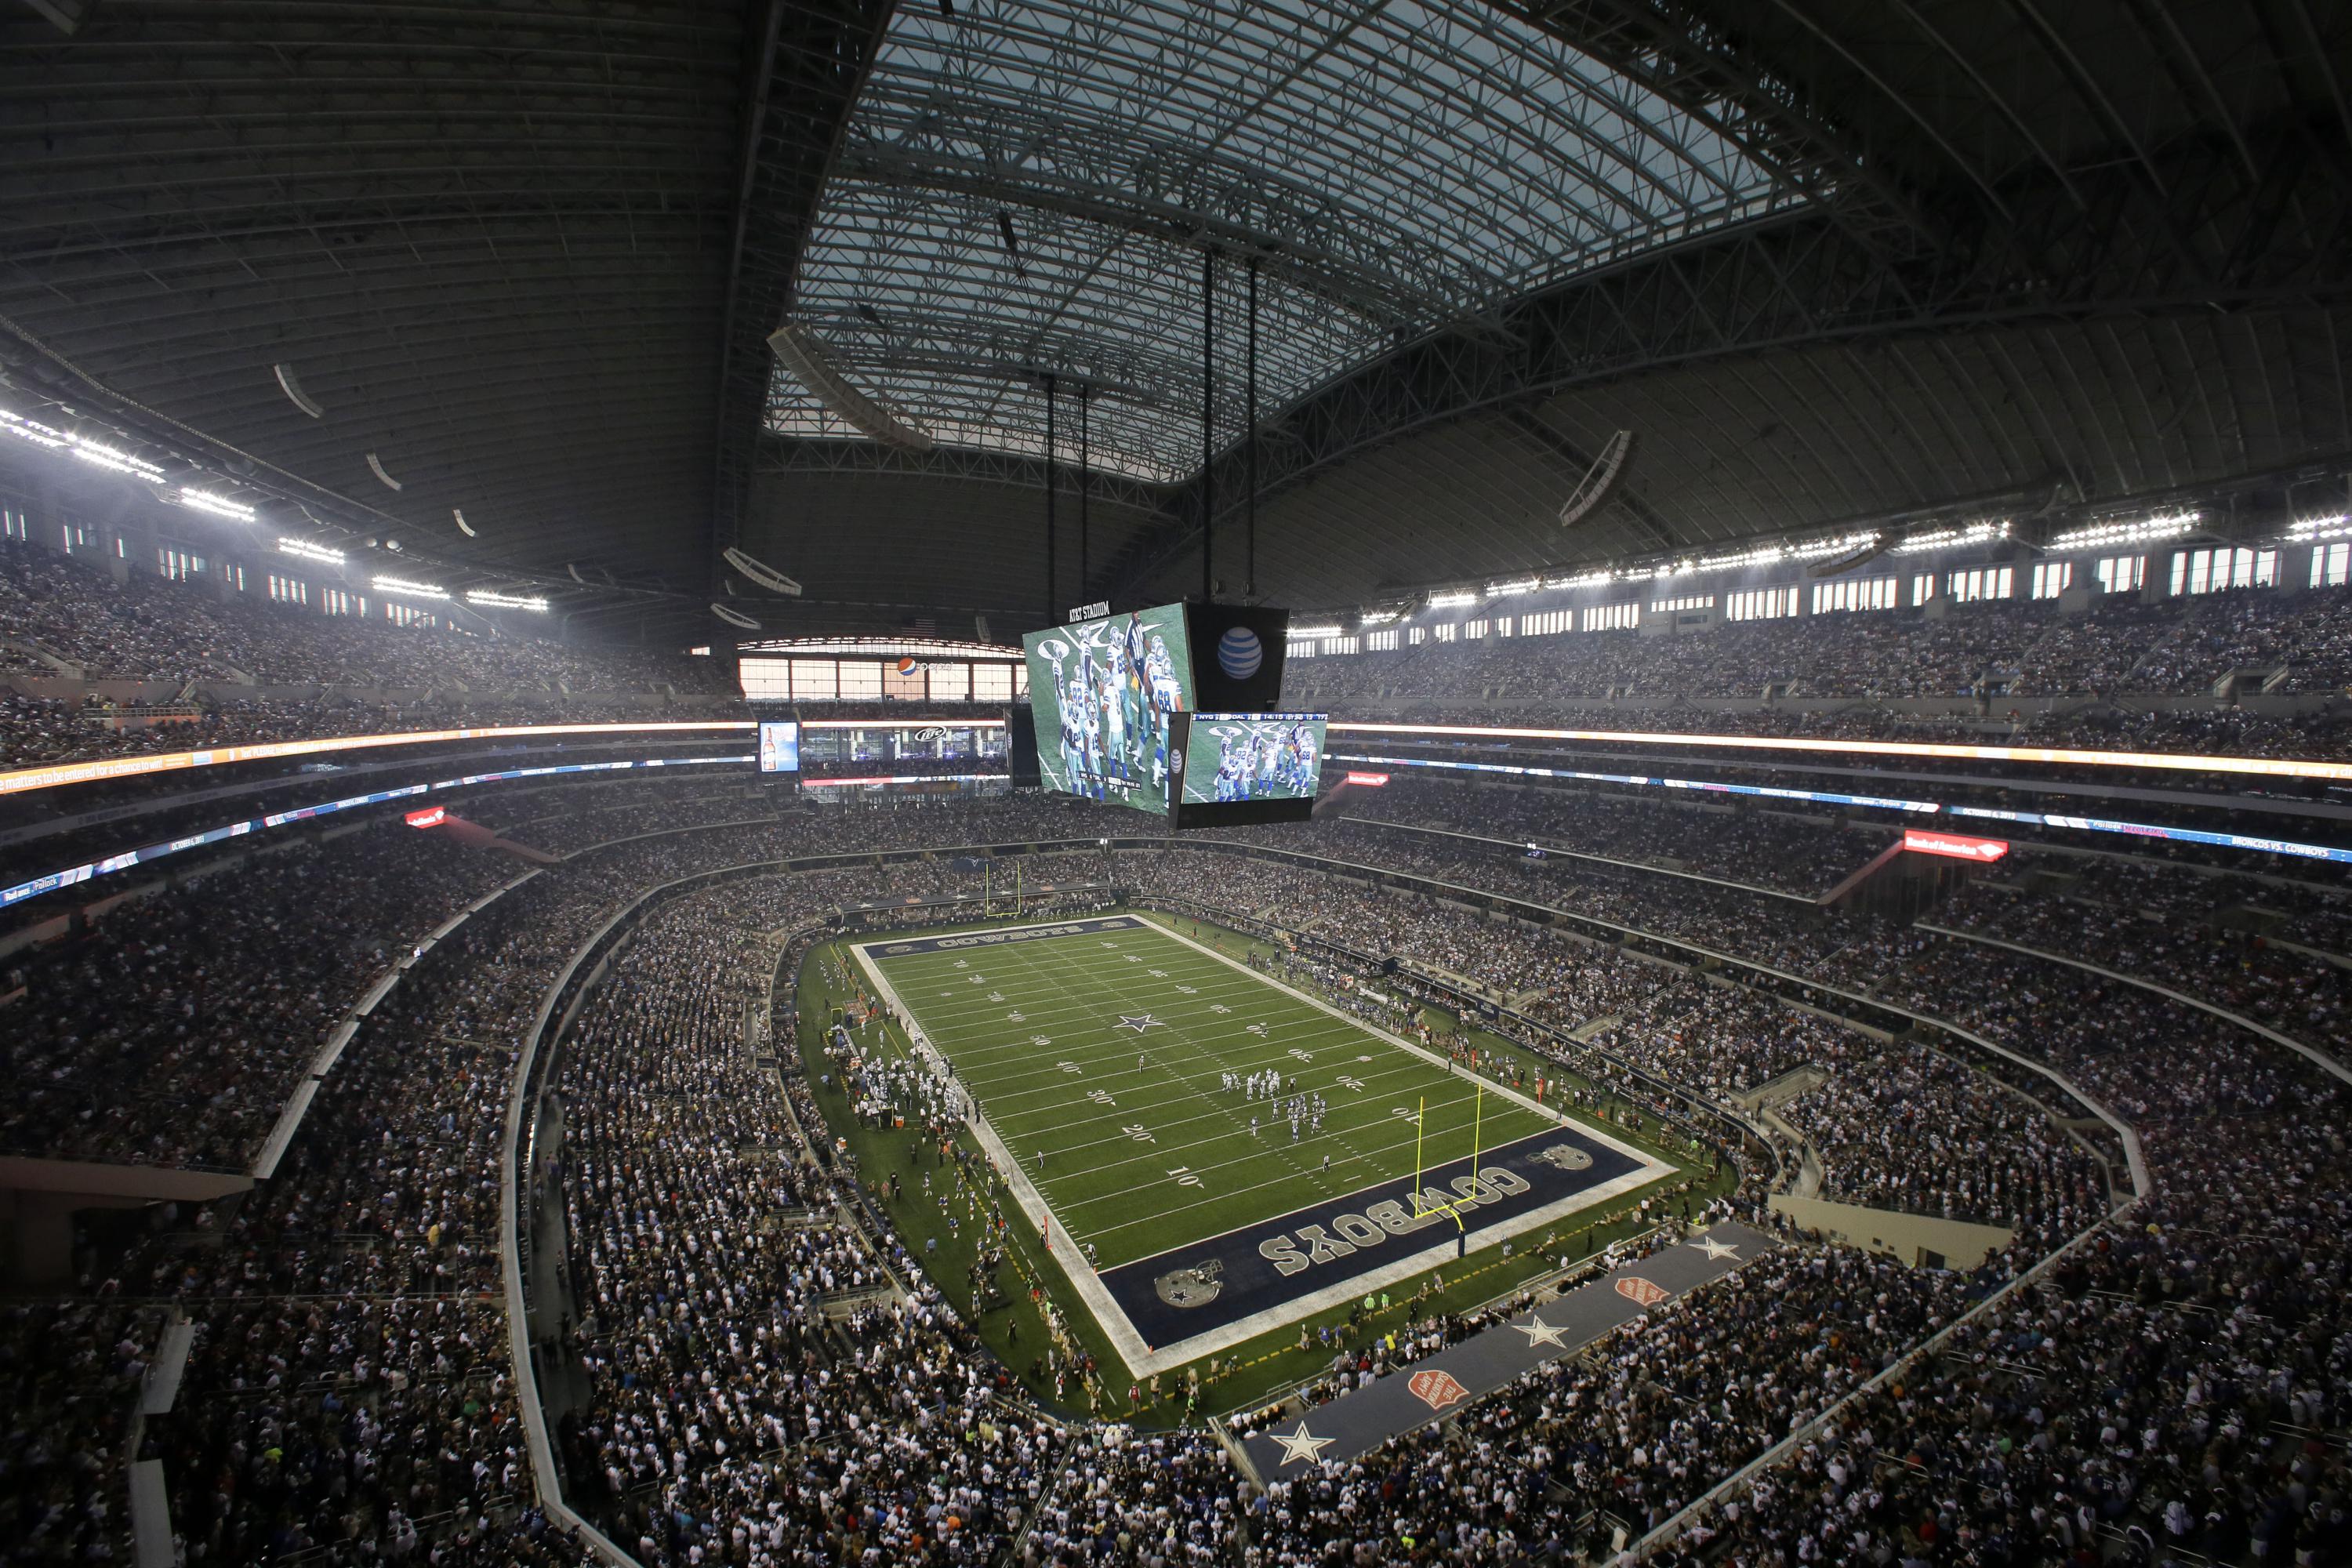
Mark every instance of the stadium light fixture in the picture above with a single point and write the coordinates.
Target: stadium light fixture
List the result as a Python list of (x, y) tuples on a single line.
[(98, 454), (1773, 555), (1455, 601), (33, 430), (1516, 585), (307, 551), (1371, 618), (1600, 578), (405, 589), (1303, 633), (201, 500), (2164, 525), (1958, 537), (491, 599), (2336, 525)]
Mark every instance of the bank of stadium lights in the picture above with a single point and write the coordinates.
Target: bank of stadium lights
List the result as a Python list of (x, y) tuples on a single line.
[(1516, 585), (491, 600), (33, 431), (400, 587), (302, 549), (201, 500), (2304, 531), (1306, 634), (1956, 538), (1773, 555), (96, 453), (1371, 618), (2165, 525), (1598, 579), (1459, 601)]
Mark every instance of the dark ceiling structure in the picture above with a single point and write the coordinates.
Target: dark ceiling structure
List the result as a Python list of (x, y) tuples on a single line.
[(523, 251), (1833, 261)]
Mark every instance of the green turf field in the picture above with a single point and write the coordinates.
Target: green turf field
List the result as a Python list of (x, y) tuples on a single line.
[(1017, 1329), (1128, 1133)]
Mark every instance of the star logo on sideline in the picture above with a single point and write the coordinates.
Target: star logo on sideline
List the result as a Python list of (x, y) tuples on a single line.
[(1540, 1332), (1138, 1024), (1716, 1251), (1302, 1446)]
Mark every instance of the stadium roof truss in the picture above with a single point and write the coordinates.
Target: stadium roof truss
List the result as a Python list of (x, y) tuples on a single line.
[(1028, 188)]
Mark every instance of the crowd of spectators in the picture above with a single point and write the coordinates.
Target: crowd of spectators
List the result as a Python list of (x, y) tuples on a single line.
[(728, 1407), (173, 1028), (2303, 994), (2180, 1376), (348, 1391), (2172, 648), (147, 627), (2176, 1387), (72, 1371), (1827, 675), (1915, 1131), (1789, 851), (2283, 908)]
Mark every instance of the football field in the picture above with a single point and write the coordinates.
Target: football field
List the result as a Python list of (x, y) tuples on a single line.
[(1211, 1153)]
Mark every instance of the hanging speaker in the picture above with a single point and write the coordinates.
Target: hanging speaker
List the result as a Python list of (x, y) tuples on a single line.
[(798, 351), (767, 577), (292, 388), (1599, 480)]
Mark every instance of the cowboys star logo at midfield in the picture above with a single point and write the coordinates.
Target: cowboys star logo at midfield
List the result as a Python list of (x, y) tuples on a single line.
[(1191, 1287), (1137, 1023)]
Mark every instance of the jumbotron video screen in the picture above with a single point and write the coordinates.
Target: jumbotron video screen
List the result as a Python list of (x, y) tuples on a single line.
[(1234, 757), (1104, 693)]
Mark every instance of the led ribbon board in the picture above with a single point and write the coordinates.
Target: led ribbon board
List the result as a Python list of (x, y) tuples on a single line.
[(73, 875), (60, 773), (2174, 761), (2035, 818), (1957, 845)]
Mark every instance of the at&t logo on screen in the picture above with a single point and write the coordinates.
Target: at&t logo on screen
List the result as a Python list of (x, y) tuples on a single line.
[(1239, 653)]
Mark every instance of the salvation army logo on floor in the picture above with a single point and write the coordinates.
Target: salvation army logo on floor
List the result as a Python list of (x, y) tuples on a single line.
[(1640, 1291), (1436, 1389), (1239, 653)]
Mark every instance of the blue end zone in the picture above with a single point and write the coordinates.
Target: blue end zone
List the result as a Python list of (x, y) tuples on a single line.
[(1206, 1284), (985, 938)]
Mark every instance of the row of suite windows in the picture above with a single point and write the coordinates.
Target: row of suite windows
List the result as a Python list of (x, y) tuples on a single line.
[(2194, 572), (184, 563), (872, 679)]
